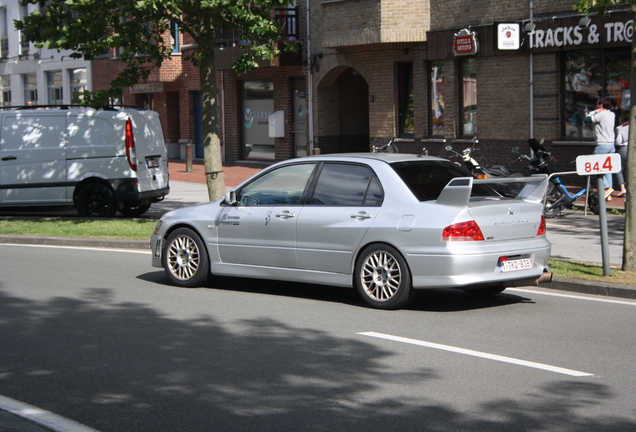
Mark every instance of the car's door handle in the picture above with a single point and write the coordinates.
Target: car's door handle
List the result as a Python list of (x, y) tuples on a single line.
[(361, 216), (285, 215), (9, 158)]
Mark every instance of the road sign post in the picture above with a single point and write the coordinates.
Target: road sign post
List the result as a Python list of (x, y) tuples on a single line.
[(598, 165)]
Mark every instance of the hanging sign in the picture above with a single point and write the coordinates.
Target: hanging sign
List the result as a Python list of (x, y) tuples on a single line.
[(465, 43), (508, 36)]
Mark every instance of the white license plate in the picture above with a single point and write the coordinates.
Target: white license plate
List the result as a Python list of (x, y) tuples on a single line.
[(152, 163), (514, 265)]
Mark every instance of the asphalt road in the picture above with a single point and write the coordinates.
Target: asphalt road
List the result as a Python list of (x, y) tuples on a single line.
[(99, 337)]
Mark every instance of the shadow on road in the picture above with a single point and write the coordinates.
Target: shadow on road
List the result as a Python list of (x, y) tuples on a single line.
[(126, 367)]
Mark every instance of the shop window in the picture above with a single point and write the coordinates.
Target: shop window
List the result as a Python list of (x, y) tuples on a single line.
[(257, 105), (405, 98), (55, 87), (5, 90), (78, 82), (437, 99), (588, 76), (469, 97), (30, 85)]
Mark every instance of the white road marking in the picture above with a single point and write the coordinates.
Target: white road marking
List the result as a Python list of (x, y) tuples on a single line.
[(592, 297), (478, 354), (136, 251), (42, 417)]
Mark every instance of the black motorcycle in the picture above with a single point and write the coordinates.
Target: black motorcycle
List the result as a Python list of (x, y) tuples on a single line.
[(558, 196)]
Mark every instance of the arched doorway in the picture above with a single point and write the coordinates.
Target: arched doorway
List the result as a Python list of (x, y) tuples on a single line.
[(342, 112)]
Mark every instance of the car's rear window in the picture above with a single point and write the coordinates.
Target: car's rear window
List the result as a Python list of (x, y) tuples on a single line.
[(426, 179)]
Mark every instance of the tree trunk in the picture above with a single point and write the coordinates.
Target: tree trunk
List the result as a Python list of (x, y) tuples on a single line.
[(211, 141), (629, 242)]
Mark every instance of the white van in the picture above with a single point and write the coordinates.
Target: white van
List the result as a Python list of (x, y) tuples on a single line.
[(101, 160)]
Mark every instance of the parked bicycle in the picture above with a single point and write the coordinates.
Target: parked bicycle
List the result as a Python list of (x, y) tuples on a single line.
[(389, 147), (558, 196)]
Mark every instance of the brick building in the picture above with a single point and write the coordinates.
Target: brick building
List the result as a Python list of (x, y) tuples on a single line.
[(460, 72)]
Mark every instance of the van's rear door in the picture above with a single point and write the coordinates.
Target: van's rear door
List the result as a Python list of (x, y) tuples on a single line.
[(150, 149)]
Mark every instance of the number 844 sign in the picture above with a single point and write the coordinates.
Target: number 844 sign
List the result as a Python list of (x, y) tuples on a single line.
[(598, 164)]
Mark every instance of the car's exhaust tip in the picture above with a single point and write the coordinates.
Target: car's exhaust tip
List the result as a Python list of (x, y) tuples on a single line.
[(546, 277)]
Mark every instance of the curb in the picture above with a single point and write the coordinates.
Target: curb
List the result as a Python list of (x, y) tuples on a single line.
[(76, 241), (600, 288)]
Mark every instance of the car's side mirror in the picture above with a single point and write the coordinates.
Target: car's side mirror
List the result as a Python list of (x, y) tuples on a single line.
[(230, 198)]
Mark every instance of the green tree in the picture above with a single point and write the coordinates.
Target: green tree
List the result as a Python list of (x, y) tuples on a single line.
[(137, 28), (629, 242)]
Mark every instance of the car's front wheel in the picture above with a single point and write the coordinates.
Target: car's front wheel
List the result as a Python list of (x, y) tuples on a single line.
[(382, 277), (185, 258)]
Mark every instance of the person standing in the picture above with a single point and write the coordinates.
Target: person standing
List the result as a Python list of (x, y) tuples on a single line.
[(604, 124), (622, 139)]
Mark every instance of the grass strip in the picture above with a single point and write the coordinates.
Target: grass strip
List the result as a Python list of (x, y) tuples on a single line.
[(133, 229)]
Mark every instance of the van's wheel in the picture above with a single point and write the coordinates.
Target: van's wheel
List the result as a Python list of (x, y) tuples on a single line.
[(96, 199), (185, 259), (382, 277), (134, 209)]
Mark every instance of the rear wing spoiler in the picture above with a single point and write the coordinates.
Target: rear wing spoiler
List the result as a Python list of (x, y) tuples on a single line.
[(457, 192)]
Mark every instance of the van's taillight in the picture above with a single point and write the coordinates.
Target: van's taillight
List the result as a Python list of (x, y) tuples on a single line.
[(542, 226), (131, 153), (462, 231)]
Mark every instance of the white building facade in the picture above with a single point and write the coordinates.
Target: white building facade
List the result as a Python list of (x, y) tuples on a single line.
[(35, 76)]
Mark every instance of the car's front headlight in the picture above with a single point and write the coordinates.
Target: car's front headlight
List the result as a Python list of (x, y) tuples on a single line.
[(157, 227)]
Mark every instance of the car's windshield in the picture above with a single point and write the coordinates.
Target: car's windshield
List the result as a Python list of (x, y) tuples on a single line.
[(427, 178)]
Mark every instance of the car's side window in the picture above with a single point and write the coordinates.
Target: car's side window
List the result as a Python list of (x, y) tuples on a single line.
[(284, 185), (347, 185)]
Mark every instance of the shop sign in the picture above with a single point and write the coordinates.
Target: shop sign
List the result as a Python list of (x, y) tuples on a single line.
[(572, 36), (508, 36), (147, 88), (465, 43)]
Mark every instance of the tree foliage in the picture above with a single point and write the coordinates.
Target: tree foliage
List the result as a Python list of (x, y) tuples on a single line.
[(138, 30)]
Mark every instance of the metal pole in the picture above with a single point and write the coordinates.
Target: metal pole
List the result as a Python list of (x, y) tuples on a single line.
[(602, 218)]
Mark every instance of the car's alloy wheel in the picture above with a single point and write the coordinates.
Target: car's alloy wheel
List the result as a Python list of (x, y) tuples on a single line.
[(185, 258), (383, 278), (96, 199)]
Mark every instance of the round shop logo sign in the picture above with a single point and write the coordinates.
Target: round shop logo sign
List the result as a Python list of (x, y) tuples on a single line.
[(248, 118)]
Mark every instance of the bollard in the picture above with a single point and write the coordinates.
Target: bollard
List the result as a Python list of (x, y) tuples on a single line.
[(189, 148)]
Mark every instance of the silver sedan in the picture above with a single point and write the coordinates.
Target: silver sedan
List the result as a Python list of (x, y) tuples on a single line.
[(386, 224)]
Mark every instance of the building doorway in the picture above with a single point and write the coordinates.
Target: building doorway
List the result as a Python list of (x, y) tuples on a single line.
[(343, 104)]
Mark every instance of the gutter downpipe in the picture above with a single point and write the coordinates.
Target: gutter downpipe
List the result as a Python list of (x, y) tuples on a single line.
[(310, 84), (223, 115), (531, 77)]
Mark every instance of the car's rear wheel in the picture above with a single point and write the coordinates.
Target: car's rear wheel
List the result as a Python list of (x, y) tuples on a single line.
[(96, 199), (185, 258), (382, 277)]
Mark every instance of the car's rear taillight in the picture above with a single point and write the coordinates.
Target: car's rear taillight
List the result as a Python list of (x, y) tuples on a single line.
[(462, 231), (131, 153), (542, 226)]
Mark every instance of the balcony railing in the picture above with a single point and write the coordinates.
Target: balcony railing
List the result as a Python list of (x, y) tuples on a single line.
[(287, 18)]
